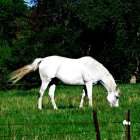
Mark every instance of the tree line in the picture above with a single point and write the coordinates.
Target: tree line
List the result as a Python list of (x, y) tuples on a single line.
[(107, 30)]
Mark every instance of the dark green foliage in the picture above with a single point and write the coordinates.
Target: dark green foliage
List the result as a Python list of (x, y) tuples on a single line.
[(108, 30)]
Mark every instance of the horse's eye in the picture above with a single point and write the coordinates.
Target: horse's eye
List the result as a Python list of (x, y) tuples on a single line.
[(117, 97)]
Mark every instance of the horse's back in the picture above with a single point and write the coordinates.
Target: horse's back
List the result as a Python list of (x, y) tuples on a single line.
[(71, 70), (66, 69), (48, 67)]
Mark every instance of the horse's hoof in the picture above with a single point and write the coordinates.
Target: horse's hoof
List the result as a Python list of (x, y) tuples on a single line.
[(39, 108), (55, 108)]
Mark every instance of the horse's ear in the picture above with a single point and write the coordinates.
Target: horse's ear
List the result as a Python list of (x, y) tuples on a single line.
[(118, 90)]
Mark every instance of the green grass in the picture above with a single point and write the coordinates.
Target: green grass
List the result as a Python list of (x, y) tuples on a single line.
[(21, 120)]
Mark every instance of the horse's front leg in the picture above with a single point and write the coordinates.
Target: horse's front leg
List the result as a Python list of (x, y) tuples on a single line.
[(51, 94), (41, 93), (83, 97), (89, 92)]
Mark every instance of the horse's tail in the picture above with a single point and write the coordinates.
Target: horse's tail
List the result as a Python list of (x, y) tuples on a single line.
[(21, 72)]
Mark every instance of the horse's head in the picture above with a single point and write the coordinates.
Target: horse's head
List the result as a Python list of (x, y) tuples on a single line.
[(113, 97)]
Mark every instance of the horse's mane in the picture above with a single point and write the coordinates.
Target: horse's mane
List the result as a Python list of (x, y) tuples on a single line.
[(106, 77)]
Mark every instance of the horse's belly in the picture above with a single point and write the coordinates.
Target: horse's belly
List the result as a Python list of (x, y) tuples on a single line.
[(72, 82), (70, 76)]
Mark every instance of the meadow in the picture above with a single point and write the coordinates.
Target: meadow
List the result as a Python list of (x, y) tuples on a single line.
[(21, 120)]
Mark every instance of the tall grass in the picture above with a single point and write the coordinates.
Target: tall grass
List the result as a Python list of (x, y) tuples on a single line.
[(20, 119)]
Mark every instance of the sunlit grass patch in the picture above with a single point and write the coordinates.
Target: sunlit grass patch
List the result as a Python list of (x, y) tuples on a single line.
[(20, 118)]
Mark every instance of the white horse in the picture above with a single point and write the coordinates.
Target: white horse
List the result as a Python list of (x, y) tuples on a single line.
[(83, 71)]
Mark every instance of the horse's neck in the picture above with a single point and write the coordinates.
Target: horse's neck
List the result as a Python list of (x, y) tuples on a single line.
[(109, 83)]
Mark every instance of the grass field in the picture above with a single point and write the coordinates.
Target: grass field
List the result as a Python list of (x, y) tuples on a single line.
[(20, 119)]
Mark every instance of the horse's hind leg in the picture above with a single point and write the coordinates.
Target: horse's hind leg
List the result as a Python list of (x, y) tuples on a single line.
[(51, 94), (41, 93)]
